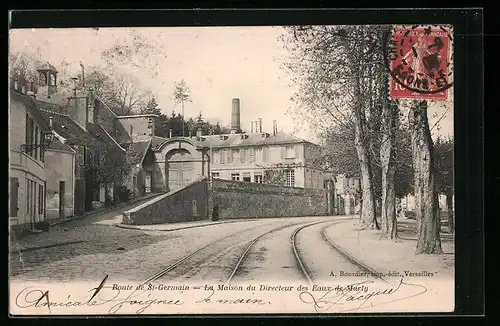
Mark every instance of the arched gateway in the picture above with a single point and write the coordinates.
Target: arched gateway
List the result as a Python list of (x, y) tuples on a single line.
[(180, 161)]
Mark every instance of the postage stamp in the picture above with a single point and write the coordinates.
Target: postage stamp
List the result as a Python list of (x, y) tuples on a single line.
[(420, 61)]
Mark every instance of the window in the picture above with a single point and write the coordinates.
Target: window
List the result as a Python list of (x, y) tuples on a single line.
[(80, 155), (215, 156), (251, 155), (215, 174), (222, 156), (258, 154), (290, 178), (28, 197), (229, 154), (30, 126), (42, 149), (247, 177), (36, 143), (52, 80), (264, 154), (290, 151), (235, 153), (257, 178), (242, 155), (14, 192), (41, 200), (235, 176)]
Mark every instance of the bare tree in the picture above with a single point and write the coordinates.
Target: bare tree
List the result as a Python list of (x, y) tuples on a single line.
[(24, 66), (182, 93)]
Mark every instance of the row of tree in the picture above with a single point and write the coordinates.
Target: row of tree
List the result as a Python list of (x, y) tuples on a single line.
[(342, 88), (176, 125)]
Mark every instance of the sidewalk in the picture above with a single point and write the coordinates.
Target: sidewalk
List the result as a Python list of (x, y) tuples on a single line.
[(103, 210), (180, 225), (384, 256), (76, 229)]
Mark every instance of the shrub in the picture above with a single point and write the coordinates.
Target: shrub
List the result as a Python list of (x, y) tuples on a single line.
[(124, 194)]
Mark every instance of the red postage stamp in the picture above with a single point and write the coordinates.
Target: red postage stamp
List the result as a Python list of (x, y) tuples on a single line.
[(419, 61)]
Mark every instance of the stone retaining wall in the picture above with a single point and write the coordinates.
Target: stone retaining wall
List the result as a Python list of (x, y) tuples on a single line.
[(237, 199), (182, 205)]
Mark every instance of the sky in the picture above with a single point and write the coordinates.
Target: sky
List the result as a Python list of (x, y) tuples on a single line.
[(217, 63)]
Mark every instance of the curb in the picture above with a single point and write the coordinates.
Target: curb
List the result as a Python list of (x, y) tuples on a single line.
[(352, 258), (132, 227), (104, 211)]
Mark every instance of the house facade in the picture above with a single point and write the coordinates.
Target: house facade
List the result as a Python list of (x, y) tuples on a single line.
[(73, 187), (27, 129), (347, 192)]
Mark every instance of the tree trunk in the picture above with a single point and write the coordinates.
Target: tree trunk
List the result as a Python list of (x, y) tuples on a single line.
[(426, 199), (451, 217), (367, 212), (388, 214)]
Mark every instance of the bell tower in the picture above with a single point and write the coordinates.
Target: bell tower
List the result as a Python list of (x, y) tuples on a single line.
[(47, 81)]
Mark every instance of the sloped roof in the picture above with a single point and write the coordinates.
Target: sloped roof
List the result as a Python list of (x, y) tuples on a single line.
[(47, 66), (98, 131), (137, 151), (56, 144), (69, 129), (50, 106), (31, 106), (157, 141), (254, 139)]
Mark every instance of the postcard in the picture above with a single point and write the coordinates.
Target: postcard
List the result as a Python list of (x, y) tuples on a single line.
[(231, 170)]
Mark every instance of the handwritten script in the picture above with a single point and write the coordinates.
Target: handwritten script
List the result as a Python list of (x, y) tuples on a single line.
[(356, 296)]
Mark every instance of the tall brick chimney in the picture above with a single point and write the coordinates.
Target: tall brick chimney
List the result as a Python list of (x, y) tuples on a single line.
[(235, 116)]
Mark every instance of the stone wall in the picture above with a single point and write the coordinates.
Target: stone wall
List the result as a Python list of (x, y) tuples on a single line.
[(237, 199), (182, 205)]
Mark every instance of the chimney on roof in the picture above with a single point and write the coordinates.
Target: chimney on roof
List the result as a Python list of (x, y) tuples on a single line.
[(251, 127), (256, 126), (275, 127), (260, 125), (198, 134), (235, 116), (75, 79)]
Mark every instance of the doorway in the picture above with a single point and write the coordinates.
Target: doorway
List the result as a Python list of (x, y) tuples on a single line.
[(62, 191), (179, 169)]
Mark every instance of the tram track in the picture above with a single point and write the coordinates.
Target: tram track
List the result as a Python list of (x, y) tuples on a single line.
[(300, 261), (219, 242)]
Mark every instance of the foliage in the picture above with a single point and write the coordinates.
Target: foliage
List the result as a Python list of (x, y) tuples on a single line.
[(24, 66), (276, 174), (107, 164), (122, 92), (123, 193), (182, 92)]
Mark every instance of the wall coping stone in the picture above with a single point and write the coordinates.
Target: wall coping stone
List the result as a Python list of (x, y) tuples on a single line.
[(161, 197)]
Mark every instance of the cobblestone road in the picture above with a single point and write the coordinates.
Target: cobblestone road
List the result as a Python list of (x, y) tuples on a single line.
[(90, 248)]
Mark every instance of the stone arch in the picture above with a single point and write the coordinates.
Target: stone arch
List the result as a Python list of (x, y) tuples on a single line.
[(178, 161), (179, 168)]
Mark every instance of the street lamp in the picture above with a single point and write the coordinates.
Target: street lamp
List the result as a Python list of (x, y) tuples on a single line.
[(48, 138)]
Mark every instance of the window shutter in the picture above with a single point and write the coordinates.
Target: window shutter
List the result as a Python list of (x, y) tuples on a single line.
[(242, 155)]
